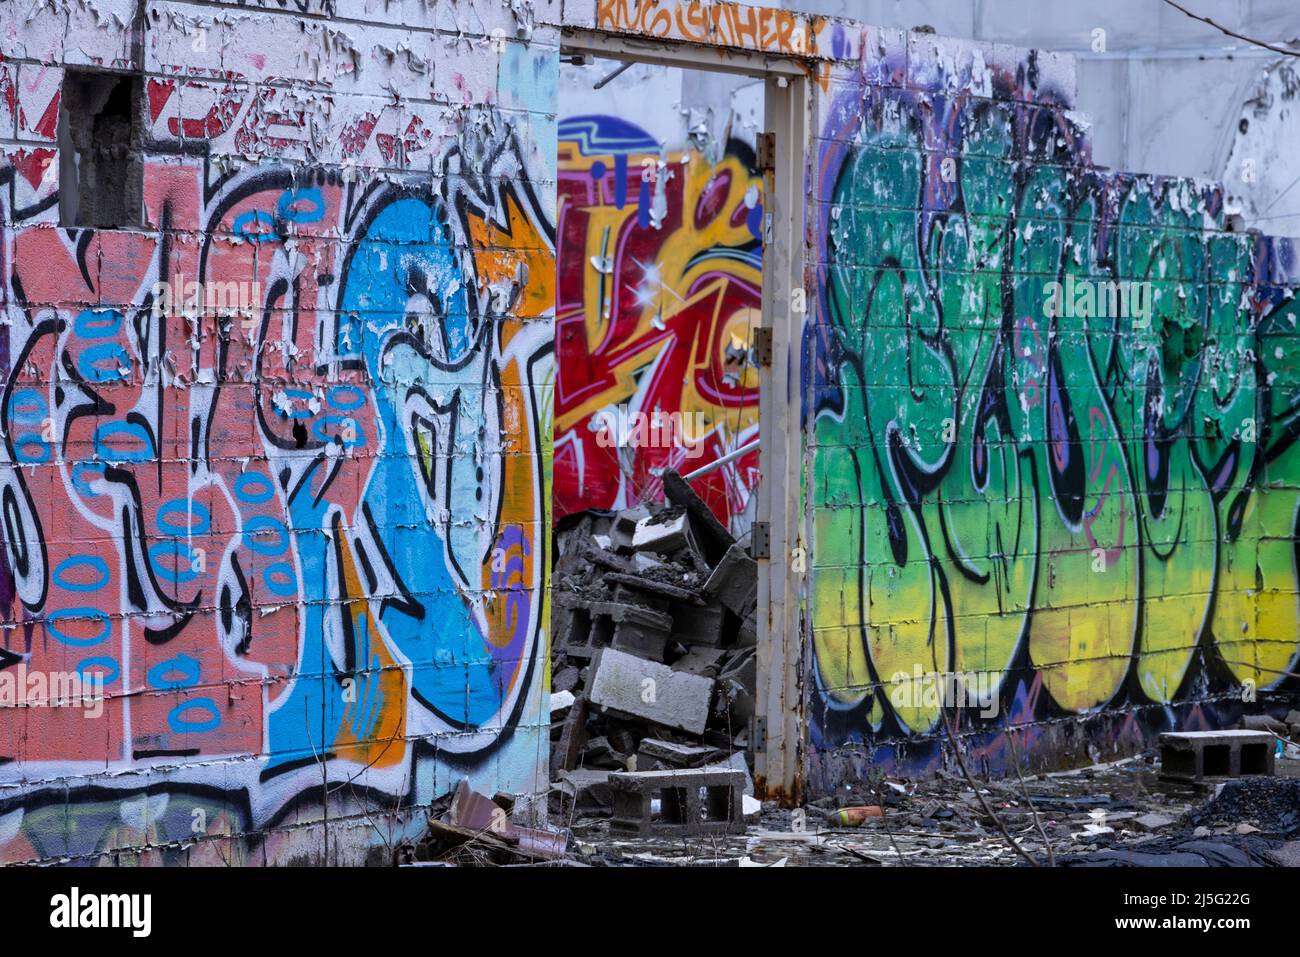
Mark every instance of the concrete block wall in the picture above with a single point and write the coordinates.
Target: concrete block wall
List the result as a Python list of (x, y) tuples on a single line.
[(293, 530), (293, 534), (1048, 527)]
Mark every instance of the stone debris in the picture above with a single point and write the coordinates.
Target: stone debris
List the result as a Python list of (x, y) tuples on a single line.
[(1110, 815), (1270, 805), (629, 686), (653, 632), (474, 829)]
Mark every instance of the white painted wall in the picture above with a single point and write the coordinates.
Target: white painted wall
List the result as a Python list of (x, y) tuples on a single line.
[(1167, 94)]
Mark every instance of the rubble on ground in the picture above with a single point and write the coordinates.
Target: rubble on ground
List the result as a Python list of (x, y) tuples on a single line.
[(1269, 805), (653, 677), (1117, 814), (467, 828), (654, 627)]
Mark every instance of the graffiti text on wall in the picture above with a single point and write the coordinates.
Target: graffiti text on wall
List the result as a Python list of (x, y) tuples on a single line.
[(659, 292), (1097, 510), (300, 540)]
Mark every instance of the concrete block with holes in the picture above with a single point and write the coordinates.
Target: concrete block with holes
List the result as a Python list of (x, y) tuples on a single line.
[(1194, 755), (700, 801)]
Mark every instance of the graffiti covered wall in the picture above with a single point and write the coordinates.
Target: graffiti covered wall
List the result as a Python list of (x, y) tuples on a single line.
[(1052, 419), (659, 293), (275, 471)]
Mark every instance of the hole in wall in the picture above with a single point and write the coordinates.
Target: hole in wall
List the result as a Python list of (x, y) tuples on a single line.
[(100, 136)]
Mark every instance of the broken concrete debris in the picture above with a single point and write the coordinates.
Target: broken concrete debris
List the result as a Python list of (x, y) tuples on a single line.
[(654, 628), (473, 829), (637, 687), (734, 582)]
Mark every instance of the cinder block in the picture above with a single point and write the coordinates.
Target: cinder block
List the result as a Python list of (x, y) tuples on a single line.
[(1194, 755), (660, 534), (632, 628), (646, 689), (734, 581), (694, 625), (690, 802)]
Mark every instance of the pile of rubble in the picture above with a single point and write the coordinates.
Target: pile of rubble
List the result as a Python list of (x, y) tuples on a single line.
[(466, 828), (653, 668)]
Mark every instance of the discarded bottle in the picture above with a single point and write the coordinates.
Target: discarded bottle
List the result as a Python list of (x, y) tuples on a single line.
[(857, 816)]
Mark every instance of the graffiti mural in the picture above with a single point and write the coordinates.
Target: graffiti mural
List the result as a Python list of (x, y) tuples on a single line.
[(275, 476), (1053, 431), (659, 292)]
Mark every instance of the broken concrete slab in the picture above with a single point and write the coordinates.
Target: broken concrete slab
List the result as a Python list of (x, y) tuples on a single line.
[(641, 562), (600, 753), (734, 581), (632, 628), (629, 685), (656, 587), (561, 701), (607, 559), (564, 756), (620, 612), (662, 534), (1153, 821), (627, 595), (565, 679), (1263, 722), (675, 754), (584, 789), (735, 762), (710, 534), (625, 525), (698, 625)]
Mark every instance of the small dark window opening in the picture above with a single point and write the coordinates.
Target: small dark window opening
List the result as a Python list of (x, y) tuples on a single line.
[(101, 167)]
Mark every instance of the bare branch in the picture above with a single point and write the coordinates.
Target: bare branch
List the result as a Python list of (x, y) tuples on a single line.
[(961, 762), (1225, 30)]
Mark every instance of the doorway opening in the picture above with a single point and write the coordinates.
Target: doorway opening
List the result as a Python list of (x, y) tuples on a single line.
[(677, 427)]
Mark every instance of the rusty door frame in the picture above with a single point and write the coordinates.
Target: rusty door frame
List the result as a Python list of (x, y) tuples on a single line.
[(778, 729)]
